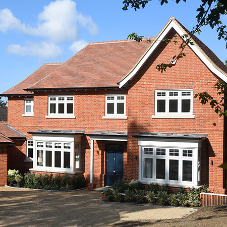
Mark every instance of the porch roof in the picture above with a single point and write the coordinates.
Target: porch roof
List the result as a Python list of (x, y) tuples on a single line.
[(108, 135), (171, 135), (58, 132)]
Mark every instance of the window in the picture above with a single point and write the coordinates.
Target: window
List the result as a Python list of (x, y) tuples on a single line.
[(28, 107), (61, 106), (174, 166), (30, 149), (173, 103), (115, 106), (54, 155)]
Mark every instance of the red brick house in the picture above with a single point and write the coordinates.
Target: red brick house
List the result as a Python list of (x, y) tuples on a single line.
[(109, 113)]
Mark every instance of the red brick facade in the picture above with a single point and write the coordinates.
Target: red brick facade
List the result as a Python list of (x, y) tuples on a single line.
[(89, 108)]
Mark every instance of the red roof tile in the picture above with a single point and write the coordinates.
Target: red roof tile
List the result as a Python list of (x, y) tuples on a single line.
[(5, 139), (97, 65), (10, 132), (41, 72)]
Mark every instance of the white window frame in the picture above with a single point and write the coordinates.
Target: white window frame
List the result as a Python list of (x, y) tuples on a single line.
[(165, 95), (31, 103), (167, 145), (114, 99), (45, 140), (30, 145), (58, 101)]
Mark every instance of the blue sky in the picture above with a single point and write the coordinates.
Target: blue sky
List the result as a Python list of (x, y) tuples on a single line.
[(34, 32)]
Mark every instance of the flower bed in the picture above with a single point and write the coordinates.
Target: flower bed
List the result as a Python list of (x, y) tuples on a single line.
[(136, 192)]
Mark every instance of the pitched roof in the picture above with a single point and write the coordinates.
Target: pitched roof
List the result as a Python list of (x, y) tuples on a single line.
[(10, 132), (40, 73), (98, 65), (5, 139), (199, 48)]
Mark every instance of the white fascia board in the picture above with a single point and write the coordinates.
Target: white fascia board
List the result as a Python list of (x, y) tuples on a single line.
[(159, 39)]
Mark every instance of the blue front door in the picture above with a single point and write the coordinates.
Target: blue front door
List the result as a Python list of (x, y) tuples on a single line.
[(114, 163)]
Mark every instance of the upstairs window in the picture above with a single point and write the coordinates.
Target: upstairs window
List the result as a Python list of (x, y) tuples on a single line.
[(28, 107), (173, 103), (115, 106), (61, 106)]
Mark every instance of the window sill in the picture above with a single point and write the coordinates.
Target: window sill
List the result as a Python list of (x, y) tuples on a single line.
[(172, 184), (115, 117), (52, 170), (180, 116), (27, 115), (61, 116)]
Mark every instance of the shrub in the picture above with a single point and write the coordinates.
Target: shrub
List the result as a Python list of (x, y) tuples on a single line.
[(117, 196), (18, 177), (139, 196), (162, 197), (108, 193), (139, 186), (64, 182), (120, 185), (44, 180), (29, 180), (151, 197), (55, 182), (153, 188), (165, 188), (183, 199), (11, 175), (194, 197), (129, 196), (173, 200)]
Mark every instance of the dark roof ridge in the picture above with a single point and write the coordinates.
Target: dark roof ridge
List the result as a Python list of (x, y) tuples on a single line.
[(15, 130)]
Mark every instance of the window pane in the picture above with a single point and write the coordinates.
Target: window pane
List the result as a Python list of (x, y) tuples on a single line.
[(110, 108), (185, 105), (148, 168), (148, 151), (173, 169), (187, 170), (120, 108), (67, 145), (57, 145), (39, 144), (187, 153), (52, 108), (66, 159), (77, 160), (49, 158), (173, 106), (30, 142), (30, 152), (160, 168), (69, 108), (61, 108), (160, 151), (120, 97), (49, 144), (161, 106), (28, 109), (57, 158), (39, 158), (173, 152), (69, 98)]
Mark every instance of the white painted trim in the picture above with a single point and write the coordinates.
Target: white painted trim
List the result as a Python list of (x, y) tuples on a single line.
[(110, 138), (61, 116), (182, 116), (28, 115), (195, 48), (115, 117)]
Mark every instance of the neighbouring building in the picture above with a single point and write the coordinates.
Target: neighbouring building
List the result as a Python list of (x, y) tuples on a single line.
[(108, 113)]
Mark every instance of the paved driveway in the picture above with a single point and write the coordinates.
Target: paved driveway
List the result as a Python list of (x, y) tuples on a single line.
[(23, 207)]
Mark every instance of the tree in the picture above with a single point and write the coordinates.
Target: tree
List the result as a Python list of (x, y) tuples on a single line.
[(2, 103)]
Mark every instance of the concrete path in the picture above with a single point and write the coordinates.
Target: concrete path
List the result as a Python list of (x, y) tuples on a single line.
[(24, 207)]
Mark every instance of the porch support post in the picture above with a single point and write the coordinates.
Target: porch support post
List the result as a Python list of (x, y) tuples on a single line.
[(92, 161)]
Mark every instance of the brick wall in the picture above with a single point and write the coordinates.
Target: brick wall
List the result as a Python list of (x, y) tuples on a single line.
[(3, 162), (89, 108), (188, 73)]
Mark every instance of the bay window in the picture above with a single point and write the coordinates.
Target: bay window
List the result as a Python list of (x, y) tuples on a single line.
[(169, 162)]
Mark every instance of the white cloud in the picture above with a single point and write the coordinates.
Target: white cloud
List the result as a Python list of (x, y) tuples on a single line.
[(9, 22), (77, 45), (58, 22), (42, 50)]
